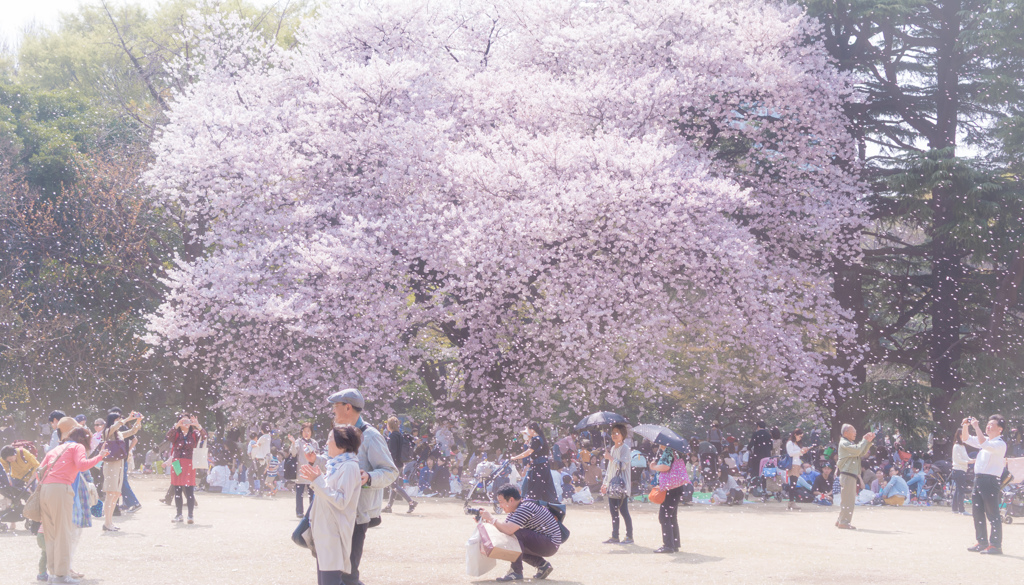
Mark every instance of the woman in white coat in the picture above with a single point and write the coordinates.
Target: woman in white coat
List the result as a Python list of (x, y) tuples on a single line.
[(332, 516)]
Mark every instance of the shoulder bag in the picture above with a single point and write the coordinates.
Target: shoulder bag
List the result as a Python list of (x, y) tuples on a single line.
[(657, 495), (675, 476), (117, 449), (33, 507)]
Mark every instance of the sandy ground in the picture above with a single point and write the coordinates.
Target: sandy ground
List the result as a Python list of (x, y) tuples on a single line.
[(241, 541)]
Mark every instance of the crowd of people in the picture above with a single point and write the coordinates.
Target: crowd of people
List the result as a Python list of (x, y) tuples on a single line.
[(340, 484)]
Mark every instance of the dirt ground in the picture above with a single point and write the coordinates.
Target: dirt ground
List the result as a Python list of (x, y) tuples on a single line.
[(243, 541)]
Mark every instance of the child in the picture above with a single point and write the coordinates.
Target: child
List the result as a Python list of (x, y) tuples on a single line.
[(332, 515), (273, 464), (426, 476)]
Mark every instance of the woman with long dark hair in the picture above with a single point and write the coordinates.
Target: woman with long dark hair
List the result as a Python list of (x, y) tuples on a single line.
[(114, 462), (539, 483), (795, 450), (960, 462), (618, 484), (184, 438)]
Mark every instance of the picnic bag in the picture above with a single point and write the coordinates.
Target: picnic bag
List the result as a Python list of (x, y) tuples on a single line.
[(495, 544), (675, 476)]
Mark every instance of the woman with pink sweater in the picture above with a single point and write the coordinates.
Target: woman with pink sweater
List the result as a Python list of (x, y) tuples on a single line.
[(56, 498)]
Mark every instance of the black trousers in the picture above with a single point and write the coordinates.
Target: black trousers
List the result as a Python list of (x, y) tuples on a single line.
[(190, 495), (669, 519), (620, 506), (985, 500), (356, 554), (959, 490), (535, 547), (329, 577)]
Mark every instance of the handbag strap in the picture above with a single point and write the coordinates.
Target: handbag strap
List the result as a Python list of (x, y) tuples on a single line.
[(45, 471)]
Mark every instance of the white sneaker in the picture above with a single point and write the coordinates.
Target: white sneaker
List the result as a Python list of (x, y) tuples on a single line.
[(64, 580)]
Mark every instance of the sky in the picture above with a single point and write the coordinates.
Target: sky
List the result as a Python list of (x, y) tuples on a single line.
[(17, 14)]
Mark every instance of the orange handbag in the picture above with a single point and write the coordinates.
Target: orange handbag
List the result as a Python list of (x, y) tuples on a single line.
[(657, 495)]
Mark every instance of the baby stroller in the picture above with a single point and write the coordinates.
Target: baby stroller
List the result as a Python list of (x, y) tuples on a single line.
[(488, 479), (774, 479), (936, 479), (1013, 490), (13, 501)]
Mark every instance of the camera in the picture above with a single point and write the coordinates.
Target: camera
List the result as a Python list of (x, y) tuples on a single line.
[(475, 512)]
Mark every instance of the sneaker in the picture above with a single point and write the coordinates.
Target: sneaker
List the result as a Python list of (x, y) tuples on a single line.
[(42, 577), (664, 550), (612, 540), (76, 574), (543, 571), (299, 516), (191, 521), (978, 547), (412, 506), (134, 508), (628, 540), (386, 510), (177, 519), (65, 580), (511, 576), (991, 550)]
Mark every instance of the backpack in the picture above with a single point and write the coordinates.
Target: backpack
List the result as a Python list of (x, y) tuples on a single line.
[(29, 446), (408, 450), (558, 511)]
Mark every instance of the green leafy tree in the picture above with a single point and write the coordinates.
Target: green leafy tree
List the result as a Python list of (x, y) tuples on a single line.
[(937, 293)]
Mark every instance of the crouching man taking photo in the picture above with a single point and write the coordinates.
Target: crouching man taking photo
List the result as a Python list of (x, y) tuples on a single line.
[(533, 525)]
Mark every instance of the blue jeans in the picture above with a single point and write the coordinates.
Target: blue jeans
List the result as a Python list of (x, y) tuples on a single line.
[(917, 480), (128, 498)]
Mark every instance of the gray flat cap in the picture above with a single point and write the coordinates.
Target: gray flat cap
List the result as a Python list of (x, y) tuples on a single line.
[(347, 396)]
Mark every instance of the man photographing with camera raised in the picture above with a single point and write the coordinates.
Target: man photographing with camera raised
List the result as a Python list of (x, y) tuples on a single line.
[(533, 525), (988, 469)]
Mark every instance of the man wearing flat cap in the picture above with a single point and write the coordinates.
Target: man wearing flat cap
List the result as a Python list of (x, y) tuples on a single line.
[(376, 468)]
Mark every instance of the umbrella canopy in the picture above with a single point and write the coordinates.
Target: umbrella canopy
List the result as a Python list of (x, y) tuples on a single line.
[(660, 435), (600, 420)]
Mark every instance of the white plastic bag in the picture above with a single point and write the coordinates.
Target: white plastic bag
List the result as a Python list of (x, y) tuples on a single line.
[(456, 487), (865, 497), (477, 564), (583, 496)]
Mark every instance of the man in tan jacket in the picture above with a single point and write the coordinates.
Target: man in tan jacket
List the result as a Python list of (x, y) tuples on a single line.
[(848, 468)]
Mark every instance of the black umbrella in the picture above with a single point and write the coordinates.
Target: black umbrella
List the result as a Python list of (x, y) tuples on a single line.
[(660, 435), (600, 420)]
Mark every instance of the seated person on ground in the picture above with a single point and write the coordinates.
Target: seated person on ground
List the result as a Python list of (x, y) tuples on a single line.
[(895, 492), (917, 481), (879, 481), (822, 487)]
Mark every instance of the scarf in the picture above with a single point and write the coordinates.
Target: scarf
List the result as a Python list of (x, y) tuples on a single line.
[(335, 463)]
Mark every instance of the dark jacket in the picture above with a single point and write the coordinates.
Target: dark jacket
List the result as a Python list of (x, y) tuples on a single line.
[(761, 443), (395, 447)]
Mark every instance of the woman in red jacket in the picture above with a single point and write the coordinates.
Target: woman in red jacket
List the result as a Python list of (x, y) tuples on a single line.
[(184, 437)]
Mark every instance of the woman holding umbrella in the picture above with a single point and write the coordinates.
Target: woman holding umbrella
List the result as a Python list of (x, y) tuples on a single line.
[(539, 483), (617, 484), (672, 482)]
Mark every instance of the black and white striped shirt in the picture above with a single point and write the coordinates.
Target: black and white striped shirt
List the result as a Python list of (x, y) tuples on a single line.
[(533, 516)]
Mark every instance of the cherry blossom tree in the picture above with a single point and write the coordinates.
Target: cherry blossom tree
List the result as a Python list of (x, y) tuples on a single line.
[(510, 204)]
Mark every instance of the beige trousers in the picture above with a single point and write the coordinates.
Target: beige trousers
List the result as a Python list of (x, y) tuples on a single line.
[(57, 502), (848, 497)]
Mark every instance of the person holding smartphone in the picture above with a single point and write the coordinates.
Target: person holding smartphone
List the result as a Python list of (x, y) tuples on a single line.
[(114, 462), (988, 469), (185, 436)]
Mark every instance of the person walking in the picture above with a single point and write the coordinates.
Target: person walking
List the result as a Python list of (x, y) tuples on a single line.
[(332, 513), (988, 469), (960, 462), (617, 484), (184, 437), (795, 451), (848, 468), (671, 468), (58, 471), (113, 463), (395, 440), (540, 485), (377, 471), (760, 446), (259, 453), (304, 444)]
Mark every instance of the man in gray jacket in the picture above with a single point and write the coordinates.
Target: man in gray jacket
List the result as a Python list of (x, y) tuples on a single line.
[(375, 467)]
